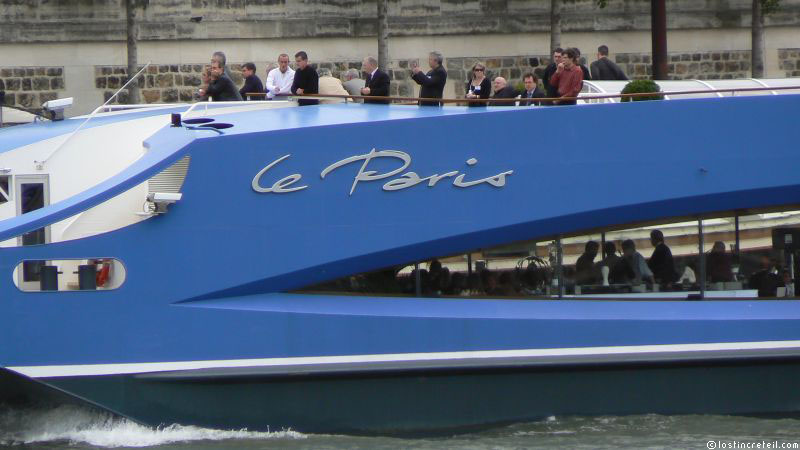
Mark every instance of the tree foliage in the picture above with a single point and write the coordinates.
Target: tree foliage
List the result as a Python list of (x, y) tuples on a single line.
[(769, 6)]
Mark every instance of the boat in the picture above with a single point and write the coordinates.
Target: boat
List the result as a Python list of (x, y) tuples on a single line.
[(215, 264)]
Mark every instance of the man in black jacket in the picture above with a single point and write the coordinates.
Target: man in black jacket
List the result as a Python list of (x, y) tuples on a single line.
[(433, 82), (661, 262), (549, 71), (604, 68), (377, 83), (221, 88), (306, 79), (503, 90), (252, 84)]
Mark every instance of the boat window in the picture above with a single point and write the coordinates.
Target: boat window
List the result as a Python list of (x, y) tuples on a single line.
[(91, 274), (733, 256), (5, 185)]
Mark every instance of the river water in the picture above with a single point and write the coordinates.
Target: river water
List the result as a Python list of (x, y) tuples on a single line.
[(73, 427)]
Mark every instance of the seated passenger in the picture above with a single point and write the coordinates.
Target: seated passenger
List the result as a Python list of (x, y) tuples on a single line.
[(661, 263), (619, 272), (765, 280), (788, 283), (719, 264), (503, 90), (636, 262), (585, 271)]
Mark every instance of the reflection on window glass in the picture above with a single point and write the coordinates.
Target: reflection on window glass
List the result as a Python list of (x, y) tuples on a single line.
[(741, 257), (5, 193)]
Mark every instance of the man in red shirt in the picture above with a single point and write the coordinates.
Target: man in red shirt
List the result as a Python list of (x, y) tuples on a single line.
[(568, 77)]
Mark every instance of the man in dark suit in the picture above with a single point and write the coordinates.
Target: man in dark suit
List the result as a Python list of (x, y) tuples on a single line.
[(604, 68), (531, 91), (503, 90), (586, 74), (221, 88), (661, 262), (252, 84), (433, 82), (306, 79), (377, 83), (549, 71)]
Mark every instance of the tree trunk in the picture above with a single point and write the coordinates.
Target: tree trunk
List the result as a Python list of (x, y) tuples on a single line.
[(555, 25), (658, 31), (383, 34), (757, 45), (133, 60)]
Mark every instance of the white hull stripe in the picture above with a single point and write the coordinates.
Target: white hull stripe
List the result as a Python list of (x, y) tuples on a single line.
[(322, 361)]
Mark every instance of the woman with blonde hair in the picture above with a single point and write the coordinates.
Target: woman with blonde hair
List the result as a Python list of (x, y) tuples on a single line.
[(478, 86)]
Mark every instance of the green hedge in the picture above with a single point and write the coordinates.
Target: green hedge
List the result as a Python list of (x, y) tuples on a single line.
[(641, 86)]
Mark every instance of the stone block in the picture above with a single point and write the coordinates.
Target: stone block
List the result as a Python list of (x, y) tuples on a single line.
[(745, 65), (2, 85), (57, 83), (719, 66), (696, 56), (106, 70), (675, 58), (727, 76), (505, 73), (151, 95), (400, 75), (27, 100), (635, 58), (706, 56), (192, 80), (646, 59), (123, 97), (454, 63), (681, 69), (508, 62), (5, 73), (787, 65), (796, 73), (165, 80), (173, 68), (163, 68), (706, 67), (237, 78), (29, 72), (494, 63), (113, 82), (41, 84), (197, 68), (11, 99), (100, 82), (783, 54), (152, 69), (39, 71), (622, 58), (533, 62), (726, 56), (27, 85), (686, 57), (186, 95), (694, 67), (716, 56), (405, 90), (516, 73), (731, 66), (13, 84), (19, 72), (186, 68), (170, 95), (47, 96), (107, 95)]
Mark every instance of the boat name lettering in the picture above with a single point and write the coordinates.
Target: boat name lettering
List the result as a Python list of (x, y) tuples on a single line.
[(404, 181)]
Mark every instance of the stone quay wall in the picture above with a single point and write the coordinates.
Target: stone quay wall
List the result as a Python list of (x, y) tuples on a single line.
[(789, 60), (103, 20), (29, 87)]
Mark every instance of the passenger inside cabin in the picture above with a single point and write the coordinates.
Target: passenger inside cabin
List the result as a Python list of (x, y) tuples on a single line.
[(661, 263), (788, 283), (619, 271), (765, 280), (585, 270), (719, 264), (636, 263)]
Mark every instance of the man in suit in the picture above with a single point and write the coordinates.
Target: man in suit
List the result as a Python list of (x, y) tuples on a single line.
[(503, 90), (252, 84), (604, 68), (661, 262), (432, 83), (306, 79), (549, 71), (531, 91), (377, 83)]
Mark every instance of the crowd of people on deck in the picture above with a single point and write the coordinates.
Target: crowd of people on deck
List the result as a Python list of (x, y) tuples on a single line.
[(561, 82)]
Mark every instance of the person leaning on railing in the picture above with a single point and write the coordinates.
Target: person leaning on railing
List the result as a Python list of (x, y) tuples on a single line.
[(306, 80), (568, 78), (221, 88), (479, 85), (432, 83), (252, 84), (377, 83)]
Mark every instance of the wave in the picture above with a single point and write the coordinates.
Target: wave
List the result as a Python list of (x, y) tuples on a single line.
[(81, 425)]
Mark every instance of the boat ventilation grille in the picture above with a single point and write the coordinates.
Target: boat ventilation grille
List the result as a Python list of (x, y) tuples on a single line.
[(171, 178)]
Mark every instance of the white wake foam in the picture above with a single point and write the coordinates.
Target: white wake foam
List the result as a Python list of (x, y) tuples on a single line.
[(82, 425)]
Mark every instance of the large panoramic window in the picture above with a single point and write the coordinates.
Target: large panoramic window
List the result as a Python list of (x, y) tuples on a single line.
[(724, 257)]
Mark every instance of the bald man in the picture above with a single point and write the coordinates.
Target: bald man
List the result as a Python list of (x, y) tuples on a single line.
[(503, 90)]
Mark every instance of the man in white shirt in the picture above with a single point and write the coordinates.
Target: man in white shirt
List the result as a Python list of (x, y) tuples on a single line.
[(280, 79)]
